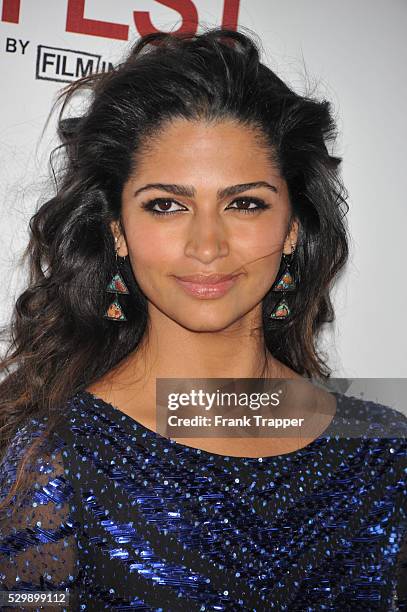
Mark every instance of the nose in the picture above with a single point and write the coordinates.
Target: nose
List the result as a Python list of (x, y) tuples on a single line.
[(207, 239)]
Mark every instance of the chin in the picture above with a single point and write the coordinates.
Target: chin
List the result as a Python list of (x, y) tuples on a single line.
[(205, 323)]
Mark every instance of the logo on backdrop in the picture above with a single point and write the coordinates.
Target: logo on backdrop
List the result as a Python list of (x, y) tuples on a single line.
[(65, 65)]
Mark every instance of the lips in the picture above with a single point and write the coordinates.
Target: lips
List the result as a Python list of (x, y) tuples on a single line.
[(207, 286), (206, 279)]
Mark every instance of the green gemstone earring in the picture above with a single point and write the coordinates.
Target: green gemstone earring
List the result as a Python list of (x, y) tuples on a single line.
[(284, 284)]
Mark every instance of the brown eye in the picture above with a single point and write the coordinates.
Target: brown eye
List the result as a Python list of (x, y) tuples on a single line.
[(163, 206), (165, 203), (247, 205)]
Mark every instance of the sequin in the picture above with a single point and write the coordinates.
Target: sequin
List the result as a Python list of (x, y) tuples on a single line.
[(129, 520)]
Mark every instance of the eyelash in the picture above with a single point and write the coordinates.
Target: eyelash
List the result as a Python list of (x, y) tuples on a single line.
[(261, 205)]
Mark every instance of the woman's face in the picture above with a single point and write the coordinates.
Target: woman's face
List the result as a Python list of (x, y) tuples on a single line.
[(222, 208)]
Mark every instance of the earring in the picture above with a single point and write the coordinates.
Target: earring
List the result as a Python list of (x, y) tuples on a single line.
[(285, 283), (117, 286)]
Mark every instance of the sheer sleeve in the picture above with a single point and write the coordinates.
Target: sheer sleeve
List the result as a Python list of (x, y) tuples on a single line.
[(38, 538)]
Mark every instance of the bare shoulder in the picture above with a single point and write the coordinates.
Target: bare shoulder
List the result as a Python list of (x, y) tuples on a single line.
[(102, 386), (122, 387)]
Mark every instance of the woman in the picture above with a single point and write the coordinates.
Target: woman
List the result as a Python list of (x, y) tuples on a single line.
[(195, 233)]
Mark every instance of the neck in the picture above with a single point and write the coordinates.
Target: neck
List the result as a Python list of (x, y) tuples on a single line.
[(169, 350)]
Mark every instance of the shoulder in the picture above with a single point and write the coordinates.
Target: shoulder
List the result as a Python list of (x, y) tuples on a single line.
[(378, 432), (376, 418), (21, 440), (374, 439), (32, 456)]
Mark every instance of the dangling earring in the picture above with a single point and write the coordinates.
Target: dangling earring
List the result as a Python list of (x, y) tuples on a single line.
[(116, 285), (285, 283)]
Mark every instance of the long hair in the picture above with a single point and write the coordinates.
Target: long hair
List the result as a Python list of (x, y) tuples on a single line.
[(60, 341)]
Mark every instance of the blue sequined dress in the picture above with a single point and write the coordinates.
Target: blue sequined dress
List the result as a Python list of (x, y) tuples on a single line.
[(127, 519)]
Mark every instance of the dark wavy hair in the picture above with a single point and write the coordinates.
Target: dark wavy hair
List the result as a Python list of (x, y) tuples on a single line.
[(60, 341)]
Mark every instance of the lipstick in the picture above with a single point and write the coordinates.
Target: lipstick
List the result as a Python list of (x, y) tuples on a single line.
[(207, 286)]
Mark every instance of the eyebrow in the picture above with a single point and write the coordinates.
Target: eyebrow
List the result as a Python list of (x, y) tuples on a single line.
[(185, 190)]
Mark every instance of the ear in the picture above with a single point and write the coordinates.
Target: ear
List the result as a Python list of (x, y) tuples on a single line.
[(121, 244), (292, 237)]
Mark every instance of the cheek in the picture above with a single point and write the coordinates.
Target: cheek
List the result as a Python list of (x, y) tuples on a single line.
[(261, 244), (150, 247)]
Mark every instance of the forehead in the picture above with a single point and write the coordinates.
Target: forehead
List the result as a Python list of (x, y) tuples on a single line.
[(198, 146)]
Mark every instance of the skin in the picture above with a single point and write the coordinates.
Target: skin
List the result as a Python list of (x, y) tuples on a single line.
[(190, 337)]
